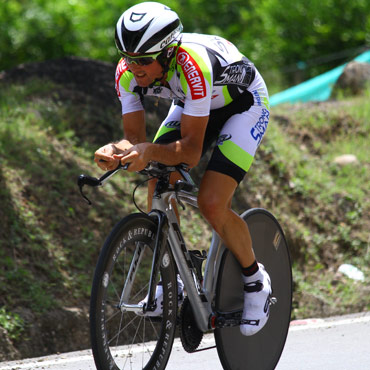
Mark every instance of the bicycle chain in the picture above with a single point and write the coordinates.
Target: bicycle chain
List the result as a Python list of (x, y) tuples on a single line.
[(190, 335)]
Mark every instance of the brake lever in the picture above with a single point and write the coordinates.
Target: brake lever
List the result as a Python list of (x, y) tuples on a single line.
[(94, 182), (188, 187), (87, 180)]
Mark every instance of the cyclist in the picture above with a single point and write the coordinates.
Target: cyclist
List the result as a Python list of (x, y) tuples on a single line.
[(218, 97)]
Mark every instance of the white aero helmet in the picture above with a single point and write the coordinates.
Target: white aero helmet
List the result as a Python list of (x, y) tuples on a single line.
[(147, 28)]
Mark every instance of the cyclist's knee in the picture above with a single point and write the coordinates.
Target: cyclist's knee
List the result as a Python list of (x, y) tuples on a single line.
[(211, 208)]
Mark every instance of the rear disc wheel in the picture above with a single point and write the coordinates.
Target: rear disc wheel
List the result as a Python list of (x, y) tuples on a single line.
[(261, 351)]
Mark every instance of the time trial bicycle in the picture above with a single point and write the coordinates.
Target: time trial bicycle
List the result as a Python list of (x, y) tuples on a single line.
[(148, 249)]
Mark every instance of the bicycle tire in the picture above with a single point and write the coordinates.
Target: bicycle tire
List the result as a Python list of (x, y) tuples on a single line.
[(123, 340), (261, 351)]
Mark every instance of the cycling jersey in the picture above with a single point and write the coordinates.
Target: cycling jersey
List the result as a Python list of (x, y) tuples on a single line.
[(208, 76)]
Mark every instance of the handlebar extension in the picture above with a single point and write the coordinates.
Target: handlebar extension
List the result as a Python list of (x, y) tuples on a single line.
[(154, 169)]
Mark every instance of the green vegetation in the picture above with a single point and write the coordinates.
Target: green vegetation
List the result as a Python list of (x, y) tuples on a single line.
[(287, 41), (12, 323)]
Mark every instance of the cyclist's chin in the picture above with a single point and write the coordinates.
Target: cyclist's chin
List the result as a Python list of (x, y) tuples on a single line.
[(143, 81)]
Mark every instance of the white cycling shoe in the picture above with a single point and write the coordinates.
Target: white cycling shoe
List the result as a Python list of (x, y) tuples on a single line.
[(257, 294), (159, 298)]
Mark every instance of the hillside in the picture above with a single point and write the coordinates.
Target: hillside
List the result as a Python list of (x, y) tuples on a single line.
[(55, 115)]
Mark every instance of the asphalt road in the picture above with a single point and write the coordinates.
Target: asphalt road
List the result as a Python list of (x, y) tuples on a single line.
[(340, 343)]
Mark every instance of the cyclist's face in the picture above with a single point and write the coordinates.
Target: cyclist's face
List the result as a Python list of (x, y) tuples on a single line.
[(146, 74)]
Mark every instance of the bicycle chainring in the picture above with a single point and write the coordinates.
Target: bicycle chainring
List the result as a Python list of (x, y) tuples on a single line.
[(190, 335)]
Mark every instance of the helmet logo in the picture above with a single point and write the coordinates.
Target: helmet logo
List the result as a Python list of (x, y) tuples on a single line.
[(137, 17), (170, 37)]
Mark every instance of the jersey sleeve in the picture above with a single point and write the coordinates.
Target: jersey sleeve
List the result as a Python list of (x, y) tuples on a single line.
[(196, 80), (125, 85)]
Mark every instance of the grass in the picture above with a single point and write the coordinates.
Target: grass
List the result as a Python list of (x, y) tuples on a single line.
[(12, 323)]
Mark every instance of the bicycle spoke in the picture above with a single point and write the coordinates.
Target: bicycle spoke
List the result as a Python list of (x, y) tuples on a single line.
[(113, 286), (153, 327), (142, 356), (124, 328), (133, 340), (119, 330), (138, 337), (117, 312)]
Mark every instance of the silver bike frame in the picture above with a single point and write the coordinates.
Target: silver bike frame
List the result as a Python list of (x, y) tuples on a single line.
[(203, 307)]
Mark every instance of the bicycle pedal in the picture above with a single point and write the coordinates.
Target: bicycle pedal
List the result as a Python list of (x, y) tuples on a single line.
[(227, 319), (272, 300)]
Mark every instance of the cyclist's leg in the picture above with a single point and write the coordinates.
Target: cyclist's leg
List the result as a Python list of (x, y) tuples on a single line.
[(232, 158), (214, 200)]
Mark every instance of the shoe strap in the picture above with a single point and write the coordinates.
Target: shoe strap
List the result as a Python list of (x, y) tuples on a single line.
[(253, 287), (249, 322)]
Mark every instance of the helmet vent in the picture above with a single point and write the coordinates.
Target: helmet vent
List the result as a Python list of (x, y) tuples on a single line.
[(137, 17)]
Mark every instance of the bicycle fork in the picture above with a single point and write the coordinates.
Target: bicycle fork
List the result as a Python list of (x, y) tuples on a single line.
[(126, 292), (161, 238)]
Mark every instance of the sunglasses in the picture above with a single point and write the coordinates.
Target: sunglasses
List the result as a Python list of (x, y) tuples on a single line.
[(141, 60)]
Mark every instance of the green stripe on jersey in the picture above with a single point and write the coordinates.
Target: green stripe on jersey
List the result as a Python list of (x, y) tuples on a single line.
[(125, 82), (227, 98), (236, 155), (163, 130)]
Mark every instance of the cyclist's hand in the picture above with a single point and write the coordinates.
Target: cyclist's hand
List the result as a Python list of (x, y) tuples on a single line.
[(104, 157), (137, 156)]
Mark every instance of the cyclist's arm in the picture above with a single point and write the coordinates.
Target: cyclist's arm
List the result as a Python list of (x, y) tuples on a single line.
[(134, 130), (134, 127), (186, 150)]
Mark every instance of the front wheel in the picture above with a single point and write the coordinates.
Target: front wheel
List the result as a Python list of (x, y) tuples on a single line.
[(123, 339), (261, 351)]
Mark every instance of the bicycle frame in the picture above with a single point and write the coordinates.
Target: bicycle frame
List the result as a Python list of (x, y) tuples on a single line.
[(200, 295)]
